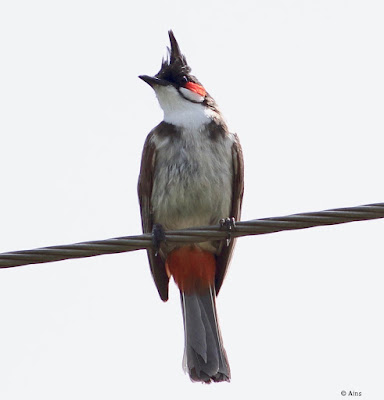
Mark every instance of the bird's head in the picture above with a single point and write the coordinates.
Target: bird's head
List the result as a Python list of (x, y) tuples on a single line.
[(176, 89)]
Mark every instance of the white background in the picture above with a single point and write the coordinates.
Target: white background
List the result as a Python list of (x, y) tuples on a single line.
[(302, 84)]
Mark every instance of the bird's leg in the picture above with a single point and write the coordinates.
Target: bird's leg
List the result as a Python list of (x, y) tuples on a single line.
[(229, 225), (158, 236)]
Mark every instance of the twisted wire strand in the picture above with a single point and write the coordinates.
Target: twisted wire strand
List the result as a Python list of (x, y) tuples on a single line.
[(193, 235)]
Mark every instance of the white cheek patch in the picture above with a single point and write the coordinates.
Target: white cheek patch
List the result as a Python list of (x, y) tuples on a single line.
[(182, 112), (190, 95)]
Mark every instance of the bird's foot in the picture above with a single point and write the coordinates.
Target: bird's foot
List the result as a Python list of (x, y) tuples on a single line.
[(228, 224), (158, 236)]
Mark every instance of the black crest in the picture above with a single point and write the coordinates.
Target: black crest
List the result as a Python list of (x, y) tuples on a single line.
[(175, 68)]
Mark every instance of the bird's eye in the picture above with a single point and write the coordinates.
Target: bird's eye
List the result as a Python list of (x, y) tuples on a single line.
[(184, 79)]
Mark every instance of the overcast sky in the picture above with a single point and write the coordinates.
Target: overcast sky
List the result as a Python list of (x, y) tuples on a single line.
[(302, 84)]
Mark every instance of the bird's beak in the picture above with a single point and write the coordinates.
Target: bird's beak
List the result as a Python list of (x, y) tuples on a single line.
[(153, 81)]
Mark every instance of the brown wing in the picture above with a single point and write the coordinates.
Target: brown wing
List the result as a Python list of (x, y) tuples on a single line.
[(224, 257), (145, 191)]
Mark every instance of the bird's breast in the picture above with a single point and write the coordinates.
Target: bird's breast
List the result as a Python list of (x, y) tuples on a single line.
[(192, 179)]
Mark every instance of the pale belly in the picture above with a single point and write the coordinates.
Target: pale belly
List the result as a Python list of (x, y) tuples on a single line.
[(193, 182)]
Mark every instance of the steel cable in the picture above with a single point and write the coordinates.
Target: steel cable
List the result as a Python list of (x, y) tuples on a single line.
[(193, 235)]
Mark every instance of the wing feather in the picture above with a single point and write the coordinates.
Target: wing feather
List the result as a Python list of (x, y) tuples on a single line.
[(145, 186), (225, 255)]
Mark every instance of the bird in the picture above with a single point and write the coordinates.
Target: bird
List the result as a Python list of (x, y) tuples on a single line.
[(191, 174)]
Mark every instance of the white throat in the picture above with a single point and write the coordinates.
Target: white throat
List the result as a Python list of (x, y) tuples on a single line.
[(181, 112)]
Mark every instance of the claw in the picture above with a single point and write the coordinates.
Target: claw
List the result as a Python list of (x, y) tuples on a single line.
[(229, 224), (158, 236)]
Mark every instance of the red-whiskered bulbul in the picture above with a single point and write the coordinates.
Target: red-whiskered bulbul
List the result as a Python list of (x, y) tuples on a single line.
[(191, 175)]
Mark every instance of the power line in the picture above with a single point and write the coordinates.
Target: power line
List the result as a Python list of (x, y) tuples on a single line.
[(193, 235)]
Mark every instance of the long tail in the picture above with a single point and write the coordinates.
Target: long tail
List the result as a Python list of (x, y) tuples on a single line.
[(193, 270), (205, 358)]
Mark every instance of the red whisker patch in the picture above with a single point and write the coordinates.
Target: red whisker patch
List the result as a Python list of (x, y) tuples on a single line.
[(195, 87)]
